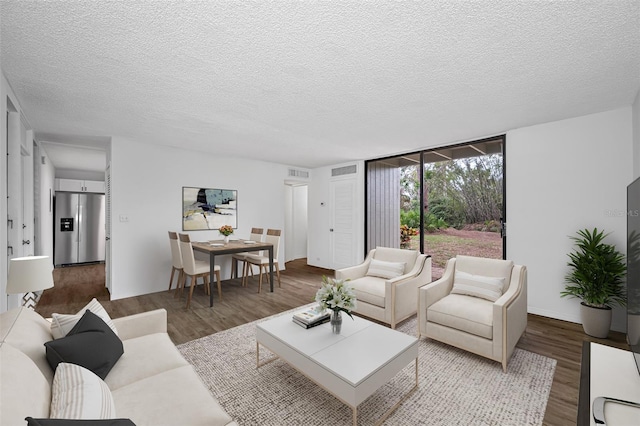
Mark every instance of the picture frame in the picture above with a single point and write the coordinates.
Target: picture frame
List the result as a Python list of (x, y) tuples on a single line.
[(206, 209)]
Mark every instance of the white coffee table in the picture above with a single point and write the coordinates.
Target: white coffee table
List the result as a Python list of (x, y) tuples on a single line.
[(351, 365)]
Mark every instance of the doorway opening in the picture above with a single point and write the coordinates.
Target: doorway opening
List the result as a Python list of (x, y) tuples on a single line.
[(296, 221)]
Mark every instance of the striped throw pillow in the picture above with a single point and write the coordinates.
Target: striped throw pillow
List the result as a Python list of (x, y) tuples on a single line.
[(78, 394), (61, 324), (387, 270), (489, 288)]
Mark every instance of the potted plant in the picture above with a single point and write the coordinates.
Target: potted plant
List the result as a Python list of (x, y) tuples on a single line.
[(597, 278), (226, 230)]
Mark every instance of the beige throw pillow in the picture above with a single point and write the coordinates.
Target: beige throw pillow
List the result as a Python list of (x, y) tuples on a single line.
[(387, 270), (78, 394), (489, 288), (61, 324)]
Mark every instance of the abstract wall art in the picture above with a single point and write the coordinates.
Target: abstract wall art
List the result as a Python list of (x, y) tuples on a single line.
[(208, 209)]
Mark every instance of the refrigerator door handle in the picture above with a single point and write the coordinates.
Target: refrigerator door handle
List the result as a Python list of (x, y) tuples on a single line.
[(79, 222)]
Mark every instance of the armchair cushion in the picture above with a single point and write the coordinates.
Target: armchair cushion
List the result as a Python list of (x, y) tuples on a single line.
[(384, 269), (489, 288), (485, 267), (370, 290), (388, 254), (465, 313)]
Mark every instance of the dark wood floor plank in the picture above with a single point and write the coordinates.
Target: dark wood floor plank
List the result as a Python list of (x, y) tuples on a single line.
[(556, 339)]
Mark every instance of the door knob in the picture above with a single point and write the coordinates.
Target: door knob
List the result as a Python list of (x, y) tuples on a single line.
[(26, 242)]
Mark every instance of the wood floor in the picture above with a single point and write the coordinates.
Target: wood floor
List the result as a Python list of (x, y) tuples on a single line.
[(552, 338)]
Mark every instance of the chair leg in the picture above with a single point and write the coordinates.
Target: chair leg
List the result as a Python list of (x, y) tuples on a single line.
[(182, 281), (193, 285), (260, 280), (219, 284), (248, 268), (278, 275), (244, 274), (173, 270), (234, 268), (206, 284)]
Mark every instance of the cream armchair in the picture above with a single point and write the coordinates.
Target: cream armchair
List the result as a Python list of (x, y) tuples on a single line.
[(479, 305), (386, 283)]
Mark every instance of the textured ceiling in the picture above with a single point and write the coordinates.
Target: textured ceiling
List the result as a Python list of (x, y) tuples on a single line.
[(315, 83)]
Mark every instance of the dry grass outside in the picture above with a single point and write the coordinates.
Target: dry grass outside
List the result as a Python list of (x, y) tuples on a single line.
[(444, 244)]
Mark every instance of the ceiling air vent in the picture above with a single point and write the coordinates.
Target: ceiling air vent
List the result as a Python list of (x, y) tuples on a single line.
[(299, 173), (346, 170)]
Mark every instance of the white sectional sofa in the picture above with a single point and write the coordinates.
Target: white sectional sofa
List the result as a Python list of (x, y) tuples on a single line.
[(151, 384)]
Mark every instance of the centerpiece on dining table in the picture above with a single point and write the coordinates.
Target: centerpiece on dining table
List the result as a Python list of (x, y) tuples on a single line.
[(338, 296), (226, 230)]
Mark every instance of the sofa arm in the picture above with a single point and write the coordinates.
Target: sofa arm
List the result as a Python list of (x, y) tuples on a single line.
[(438, 289), (510, 313), (402, 289), (141, 324), (354, 272), (430, 293)]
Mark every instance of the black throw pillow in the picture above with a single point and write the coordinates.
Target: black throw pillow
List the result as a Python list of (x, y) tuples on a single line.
[(91, 344), (63, 422)]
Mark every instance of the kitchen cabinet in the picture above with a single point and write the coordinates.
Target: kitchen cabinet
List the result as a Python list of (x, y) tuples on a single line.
[(75, 185)]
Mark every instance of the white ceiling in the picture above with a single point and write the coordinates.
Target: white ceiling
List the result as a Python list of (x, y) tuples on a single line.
[(314, 83)]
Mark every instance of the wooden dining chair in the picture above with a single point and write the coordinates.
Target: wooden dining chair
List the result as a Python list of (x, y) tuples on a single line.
[(262, 260), (176, 259), (195, 269), (256, 235)]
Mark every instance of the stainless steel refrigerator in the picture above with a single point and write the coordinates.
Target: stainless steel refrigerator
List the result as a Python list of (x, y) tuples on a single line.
[(79, 228)]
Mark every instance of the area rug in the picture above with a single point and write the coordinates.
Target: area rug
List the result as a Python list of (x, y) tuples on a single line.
[(455, 387)]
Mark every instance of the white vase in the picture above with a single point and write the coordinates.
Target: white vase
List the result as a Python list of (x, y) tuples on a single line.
[(226, 239)]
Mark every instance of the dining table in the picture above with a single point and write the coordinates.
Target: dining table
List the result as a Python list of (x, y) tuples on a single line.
[(219, 248)]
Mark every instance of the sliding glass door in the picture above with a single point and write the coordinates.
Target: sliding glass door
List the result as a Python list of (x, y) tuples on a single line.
[(442, 202)]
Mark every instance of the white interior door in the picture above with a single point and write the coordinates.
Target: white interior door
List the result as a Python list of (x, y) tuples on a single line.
[(343, 219)]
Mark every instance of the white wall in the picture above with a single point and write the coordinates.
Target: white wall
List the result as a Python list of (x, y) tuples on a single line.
[(47, 185), (319, 216), (636, 136), (561, 177), (147, 186)]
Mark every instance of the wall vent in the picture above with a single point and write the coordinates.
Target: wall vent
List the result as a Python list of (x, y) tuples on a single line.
[(299, 173), (346, 170)]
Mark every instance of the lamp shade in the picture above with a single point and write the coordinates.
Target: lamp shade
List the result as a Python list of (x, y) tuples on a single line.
[(32, 273)]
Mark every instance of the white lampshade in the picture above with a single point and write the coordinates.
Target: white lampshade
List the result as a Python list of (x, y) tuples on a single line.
[(32, 273)]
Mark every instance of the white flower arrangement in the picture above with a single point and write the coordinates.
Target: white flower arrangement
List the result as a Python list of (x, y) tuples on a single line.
[(336, 295)]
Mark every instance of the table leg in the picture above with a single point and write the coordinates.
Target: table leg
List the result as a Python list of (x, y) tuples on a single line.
[(397, 404), (355, 416), (212, 269), (271, 268)]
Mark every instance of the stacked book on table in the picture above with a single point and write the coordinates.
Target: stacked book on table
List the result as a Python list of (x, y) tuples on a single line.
[(311, 317)]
